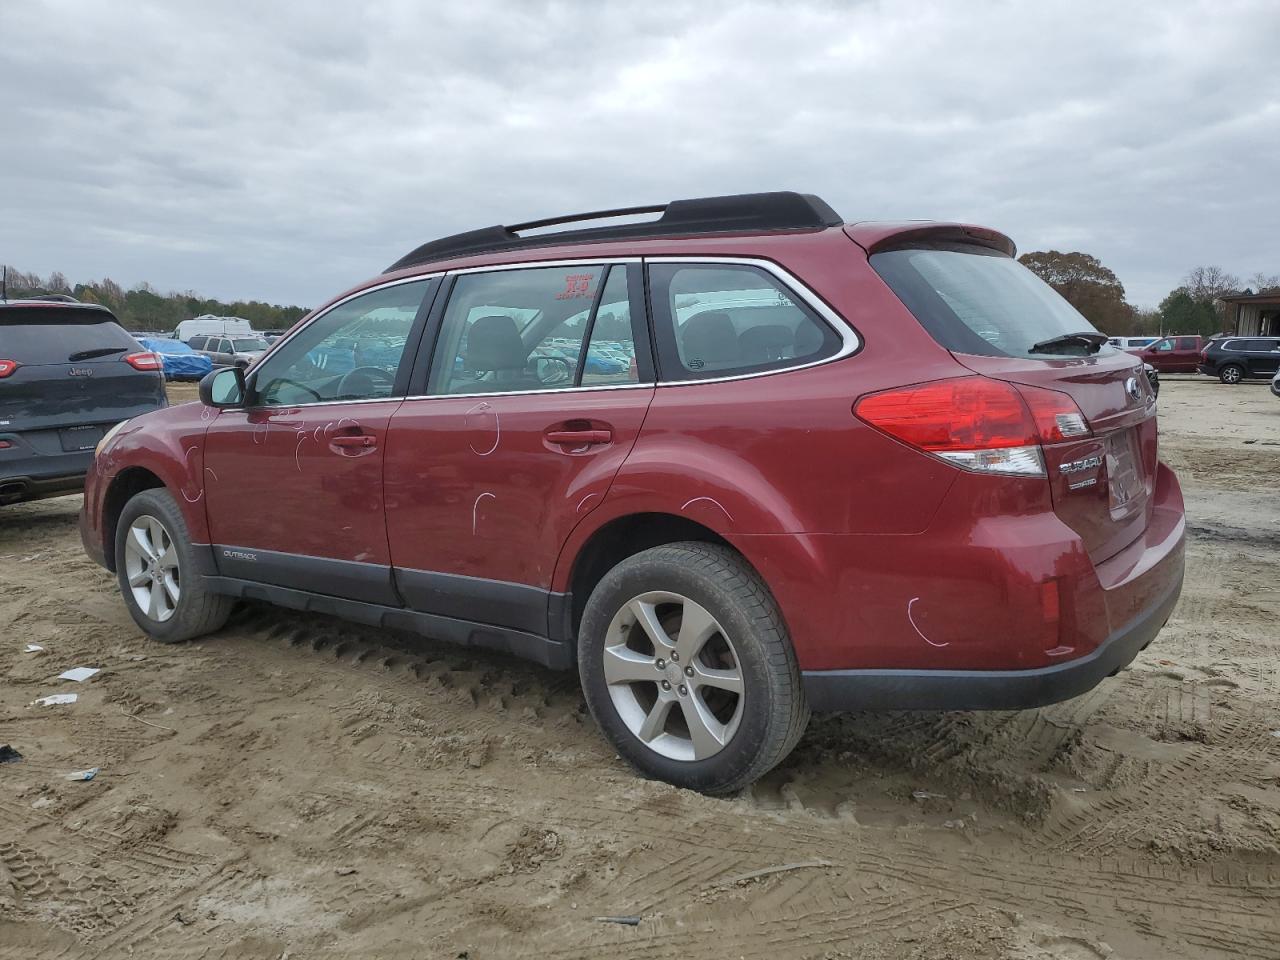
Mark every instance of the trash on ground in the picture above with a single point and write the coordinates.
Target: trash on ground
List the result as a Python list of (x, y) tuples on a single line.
[(32, 648), (626, 921), (54, 699), (8, 754), (344, 871), (84, 774), (926, 795), (78, 674), (1275, 733)]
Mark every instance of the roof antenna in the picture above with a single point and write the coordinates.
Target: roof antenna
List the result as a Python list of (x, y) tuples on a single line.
[(4, 284)]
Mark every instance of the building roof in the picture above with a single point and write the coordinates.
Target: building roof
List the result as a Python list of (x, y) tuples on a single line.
[(1263, 298)]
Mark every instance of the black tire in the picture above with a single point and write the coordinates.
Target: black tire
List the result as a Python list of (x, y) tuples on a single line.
[(1231, 373), (198, 611), (773, 712)]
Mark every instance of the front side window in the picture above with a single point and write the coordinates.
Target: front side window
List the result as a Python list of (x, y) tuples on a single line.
[(353, 352), (1164, 346), (714, 320), (520, 330)]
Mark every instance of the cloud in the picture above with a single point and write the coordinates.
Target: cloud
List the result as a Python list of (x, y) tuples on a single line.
[(284, 152)]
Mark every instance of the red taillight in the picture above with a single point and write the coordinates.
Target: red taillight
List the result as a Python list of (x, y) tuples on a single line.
[(969, 413), (5, 444), (988, 426), (1056, 415), (7, 367), (144, 361)]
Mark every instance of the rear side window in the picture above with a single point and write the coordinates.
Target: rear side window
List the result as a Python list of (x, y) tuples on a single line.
[(716, 320), (1186, 343), (979, 301), (542, 328), (41, 335)]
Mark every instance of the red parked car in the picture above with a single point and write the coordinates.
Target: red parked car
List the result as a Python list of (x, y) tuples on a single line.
[(1180, 354), (847, 466)]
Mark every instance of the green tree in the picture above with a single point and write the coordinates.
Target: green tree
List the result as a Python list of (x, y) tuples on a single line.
[(142, 308), (1087, 285), (1181, 312)]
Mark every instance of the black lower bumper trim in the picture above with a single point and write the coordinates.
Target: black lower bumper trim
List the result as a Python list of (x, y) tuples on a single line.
[(834, 690)]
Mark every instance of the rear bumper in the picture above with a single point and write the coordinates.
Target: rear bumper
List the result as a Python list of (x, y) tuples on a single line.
[(829, 690), (29, 473)]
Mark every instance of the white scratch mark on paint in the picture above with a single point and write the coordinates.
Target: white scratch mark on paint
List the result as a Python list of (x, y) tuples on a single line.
[(475, 510), (297, 460), (584, 500), (209, 470), (193, 480), (714, 503), (497, 428), (910, 604)]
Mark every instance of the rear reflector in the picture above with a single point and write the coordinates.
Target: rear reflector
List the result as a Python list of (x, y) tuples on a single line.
[(7, 367), (144, 361), (987, 426)]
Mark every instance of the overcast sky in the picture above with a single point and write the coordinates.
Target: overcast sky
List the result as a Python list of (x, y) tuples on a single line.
[(285, 151)]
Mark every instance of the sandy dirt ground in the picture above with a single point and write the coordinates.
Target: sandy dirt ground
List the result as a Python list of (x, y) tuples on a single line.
[(293, 786)]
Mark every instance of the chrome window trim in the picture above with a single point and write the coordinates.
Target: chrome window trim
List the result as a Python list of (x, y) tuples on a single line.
[(850, 341)]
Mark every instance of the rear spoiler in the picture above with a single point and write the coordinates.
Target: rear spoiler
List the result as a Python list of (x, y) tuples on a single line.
[(878, 237)]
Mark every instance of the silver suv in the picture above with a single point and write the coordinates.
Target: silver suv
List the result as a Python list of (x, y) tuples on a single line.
[(229, 351)]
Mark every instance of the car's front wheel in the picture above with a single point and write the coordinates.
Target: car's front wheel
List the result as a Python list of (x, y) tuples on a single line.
[(688, 668), (156, 569)]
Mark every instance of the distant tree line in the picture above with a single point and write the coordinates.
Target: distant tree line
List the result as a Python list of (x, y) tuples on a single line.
[(142, 308), (1192, 307)]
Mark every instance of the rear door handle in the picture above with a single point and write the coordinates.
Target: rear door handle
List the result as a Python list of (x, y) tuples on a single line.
[(579, 438)]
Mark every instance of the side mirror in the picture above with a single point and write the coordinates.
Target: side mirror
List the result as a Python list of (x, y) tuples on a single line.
[(223, 388)]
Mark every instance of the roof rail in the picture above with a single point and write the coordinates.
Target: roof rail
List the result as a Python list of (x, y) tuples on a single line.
[(744, 212)]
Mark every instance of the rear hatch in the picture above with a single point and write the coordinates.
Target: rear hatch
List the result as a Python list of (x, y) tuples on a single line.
[(1001, 321), (69, 372)]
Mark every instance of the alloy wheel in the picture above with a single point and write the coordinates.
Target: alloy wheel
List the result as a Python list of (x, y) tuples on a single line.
[(151, 566), (674, 676)]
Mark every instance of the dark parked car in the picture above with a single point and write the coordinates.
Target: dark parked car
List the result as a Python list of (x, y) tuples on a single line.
[(180, 361), (68, 373), (1232, 359), (1180, 354), (852, 466), (1153, 377)]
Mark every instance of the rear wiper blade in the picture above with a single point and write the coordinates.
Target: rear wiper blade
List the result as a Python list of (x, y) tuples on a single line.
[(99, 352), (1092, 342)]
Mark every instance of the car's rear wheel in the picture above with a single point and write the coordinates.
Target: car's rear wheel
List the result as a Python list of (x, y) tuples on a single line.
[(157, 572), (1231, 373), (688, 669)]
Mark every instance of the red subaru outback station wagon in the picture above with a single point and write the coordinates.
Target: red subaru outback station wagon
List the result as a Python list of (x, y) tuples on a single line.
[(735, 463)]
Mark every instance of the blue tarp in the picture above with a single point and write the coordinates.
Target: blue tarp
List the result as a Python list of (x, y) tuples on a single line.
[(180, 361)]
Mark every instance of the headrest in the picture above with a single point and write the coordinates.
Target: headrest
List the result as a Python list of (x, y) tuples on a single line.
[(768, 341), (808, 339), (493, 343), (709, 338)]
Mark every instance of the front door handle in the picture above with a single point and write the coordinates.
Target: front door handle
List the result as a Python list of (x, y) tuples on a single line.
[(579, 438), (353, 443)]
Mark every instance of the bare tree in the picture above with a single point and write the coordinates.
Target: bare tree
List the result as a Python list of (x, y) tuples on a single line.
[(1265, 282)]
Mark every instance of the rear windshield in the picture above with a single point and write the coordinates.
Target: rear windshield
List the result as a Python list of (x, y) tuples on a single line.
[(980, 301), (58, 335)]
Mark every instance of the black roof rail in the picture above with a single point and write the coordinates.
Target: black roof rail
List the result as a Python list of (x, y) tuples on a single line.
[(744, 212)]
